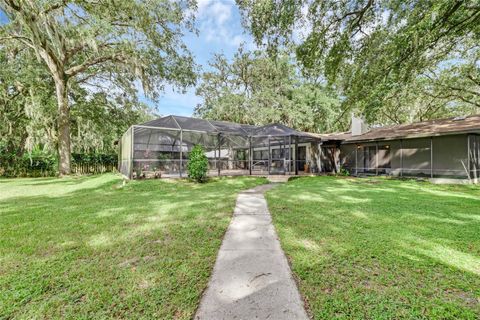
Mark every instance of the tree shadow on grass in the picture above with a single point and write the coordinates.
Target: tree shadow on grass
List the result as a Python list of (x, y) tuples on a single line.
[(147, 248), (356, 240)]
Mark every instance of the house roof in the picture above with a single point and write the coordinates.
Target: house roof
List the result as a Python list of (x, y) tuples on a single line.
[(340, 136), (212, 126), (277, 129), (470, 124)]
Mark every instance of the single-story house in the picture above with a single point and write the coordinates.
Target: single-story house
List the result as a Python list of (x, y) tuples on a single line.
[(436, 148)]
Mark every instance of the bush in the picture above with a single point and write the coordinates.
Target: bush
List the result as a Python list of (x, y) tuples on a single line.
[(344, 172), (37, 163), (95, 158), (197, 164), (41, 163)]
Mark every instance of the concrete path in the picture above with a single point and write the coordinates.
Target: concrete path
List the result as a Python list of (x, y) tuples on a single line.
[(251, 278)]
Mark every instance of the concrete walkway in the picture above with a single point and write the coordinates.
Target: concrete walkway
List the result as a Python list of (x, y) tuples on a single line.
[(251, 278)]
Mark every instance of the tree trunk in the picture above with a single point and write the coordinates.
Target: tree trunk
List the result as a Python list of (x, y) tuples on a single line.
[(63, 122)]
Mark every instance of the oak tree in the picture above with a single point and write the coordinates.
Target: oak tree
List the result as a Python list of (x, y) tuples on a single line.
[(125, 44)]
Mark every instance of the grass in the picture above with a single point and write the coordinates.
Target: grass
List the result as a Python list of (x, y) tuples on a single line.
[(380, 248), (85, 247)]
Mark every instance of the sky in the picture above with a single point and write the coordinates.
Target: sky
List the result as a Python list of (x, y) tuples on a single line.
[(220, 31), (3, 17)]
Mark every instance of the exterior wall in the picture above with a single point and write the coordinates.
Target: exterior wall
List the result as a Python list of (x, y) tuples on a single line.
[(450, 157), (416, 157), (347, 156), (396, 155), (330, 158)]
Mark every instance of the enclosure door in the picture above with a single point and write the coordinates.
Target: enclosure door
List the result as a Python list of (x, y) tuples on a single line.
[(279, 154), (301, 158)]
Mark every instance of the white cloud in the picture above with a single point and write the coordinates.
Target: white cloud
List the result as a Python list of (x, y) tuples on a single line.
[(217, 23), (221, 12), (174, 102), (303, 26)]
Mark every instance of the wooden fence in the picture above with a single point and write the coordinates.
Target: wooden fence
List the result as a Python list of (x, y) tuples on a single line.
[(93, 168)]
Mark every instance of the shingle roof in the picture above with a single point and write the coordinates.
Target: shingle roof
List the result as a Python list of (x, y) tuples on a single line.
[(415, 130)]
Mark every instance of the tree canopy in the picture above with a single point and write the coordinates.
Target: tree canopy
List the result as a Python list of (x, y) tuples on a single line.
[(28, 113), (393, 60), (114, 45), (74, 72), (254, 88)]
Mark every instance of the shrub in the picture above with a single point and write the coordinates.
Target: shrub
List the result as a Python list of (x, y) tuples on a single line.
[(344, 172), (41, 163), (197, 164), (17, 163)]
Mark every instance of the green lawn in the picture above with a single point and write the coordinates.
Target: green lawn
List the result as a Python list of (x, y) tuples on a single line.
[(382, 249), (87, 248)]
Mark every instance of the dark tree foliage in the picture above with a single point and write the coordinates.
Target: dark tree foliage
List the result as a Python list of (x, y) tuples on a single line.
[(257, 89), (118, 44), (393, 60)]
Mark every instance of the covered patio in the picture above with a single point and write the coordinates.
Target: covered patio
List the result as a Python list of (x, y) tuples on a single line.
[(161, 147)]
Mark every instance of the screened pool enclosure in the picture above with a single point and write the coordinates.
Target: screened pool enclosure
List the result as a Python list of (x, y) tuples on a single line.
[(161, 148)]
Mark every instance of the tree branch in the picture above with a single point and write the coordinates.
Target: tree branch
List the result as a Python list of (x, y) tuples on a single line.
[(55, 7), (22, 39), (89, 63)]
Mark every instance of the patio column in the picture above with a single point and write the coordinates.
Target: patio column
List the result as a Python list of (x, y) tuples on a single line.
[(289, 155), (283, 152), (320, 157), (296, 155), (219, 155), (250, 155), (356, 159), (269, 155), (475, 160), (468, 157), (401, 157), (376, 158), (181, 152), (431, 157)]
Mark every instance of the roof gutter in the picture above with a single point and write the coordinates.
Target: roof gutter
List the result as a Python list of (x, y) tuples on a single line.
[(475, 131)]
